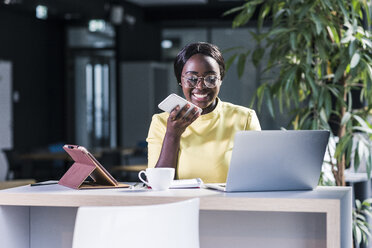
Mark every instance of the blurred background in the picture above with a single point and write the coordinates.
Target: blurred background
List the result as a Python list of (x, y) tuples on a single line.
[(92, 72)]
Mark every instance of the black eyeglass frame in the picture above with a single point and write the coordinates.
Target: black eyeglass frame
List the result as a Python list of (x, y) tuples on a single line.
[(205, 83)]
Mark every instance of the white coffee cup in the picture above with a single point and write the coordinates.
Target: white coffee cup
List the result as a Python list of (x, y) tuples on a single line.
[(158, 178)]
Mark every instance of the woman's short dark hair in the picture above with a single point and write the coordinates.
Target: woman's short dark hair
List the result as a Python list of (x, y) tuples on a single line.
[(195, 48)]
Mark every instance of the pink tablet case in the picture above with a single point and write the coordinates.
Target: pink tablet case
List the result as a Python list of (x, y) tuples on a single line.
[(82, 168)]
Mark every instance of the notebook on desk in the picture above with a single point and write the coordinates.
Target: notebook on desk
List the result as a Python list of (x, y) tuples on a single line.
[(275, 160)]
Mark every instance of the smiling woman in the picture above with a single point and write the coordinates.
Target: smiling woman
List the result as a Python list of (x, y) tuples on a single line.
[(201, 92), (199, 146)]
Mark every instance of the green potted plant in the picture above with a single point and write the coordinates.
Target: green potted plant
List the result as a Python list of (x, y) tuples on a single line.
[(322, 51)]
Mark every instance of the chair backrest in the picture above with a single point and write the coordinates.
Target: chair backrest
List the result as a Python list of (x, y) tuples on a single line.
[(163, 225)]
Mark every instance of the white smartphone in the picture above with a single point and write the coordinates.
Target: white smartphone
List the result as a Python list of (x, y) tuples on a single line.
[(169, 103)]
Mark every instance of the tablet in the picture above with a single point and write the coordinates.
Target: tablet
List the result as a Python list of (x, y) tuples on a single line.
[(85, 166)]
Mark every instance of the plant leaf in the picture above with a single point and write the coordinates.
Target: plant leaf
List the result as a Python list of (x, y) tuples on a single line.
[(257, 56), (241, 64), (243, 17), (339, 72), (263, 13), (356, 157), (278, 31), (292, 39), (230, 61), (345, 118), (318, 23), (362, 122), (355, 60), (233, 10), (269, 102)]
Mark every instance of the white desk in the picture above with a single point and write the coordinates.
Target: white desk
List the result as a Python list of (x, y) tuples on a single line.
[(44, 216)]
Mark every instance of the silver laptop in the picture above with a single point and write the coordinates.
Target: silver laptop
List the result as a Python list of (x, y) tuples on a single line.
[(275, 160)]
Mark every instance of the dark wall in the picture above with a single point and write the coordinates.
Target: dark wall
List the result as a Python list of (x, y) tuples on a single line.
[(140, 41), (36, 49)]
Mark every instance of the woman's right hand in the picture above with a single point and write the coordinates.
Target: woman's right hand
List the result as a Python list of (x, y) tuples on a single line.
[(178, 122)]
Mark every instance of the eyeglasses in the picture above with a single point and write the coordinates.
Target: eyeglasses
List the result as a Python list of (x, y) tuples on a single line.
[(210, 81)]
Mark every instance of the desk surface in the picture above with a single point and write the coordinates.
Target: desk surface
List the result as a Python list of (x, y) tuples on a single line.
[(333, 202), (318, 200)]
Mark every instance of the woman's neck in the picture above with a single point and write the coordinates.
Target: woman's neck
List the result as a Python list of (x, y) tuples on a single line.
[(210, 108)]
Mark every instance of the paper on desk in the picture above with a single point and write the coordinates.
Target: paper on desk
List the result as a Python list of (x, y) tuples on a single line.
[(186, 183)]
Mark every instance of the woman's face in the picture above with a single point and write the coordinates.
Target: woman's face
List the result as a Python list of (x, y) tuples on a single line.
[(201, 65)]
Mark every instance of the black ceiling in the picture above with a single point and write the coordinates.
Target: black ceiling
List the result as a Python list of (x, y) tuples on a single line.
[(60, 9), (88, 9), (211, 11)]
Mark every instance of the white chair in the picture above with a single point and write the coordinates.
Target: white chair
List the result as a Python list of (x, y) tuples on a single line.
[(164, 225)]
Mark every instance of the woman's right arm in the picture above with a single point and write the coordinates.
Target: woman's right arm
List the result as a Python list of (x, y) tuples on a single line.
[(176, 125)]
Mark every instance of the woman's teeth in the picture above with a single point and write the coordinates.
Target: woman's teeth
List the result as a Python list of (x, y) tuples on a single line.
[(200, 96)]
